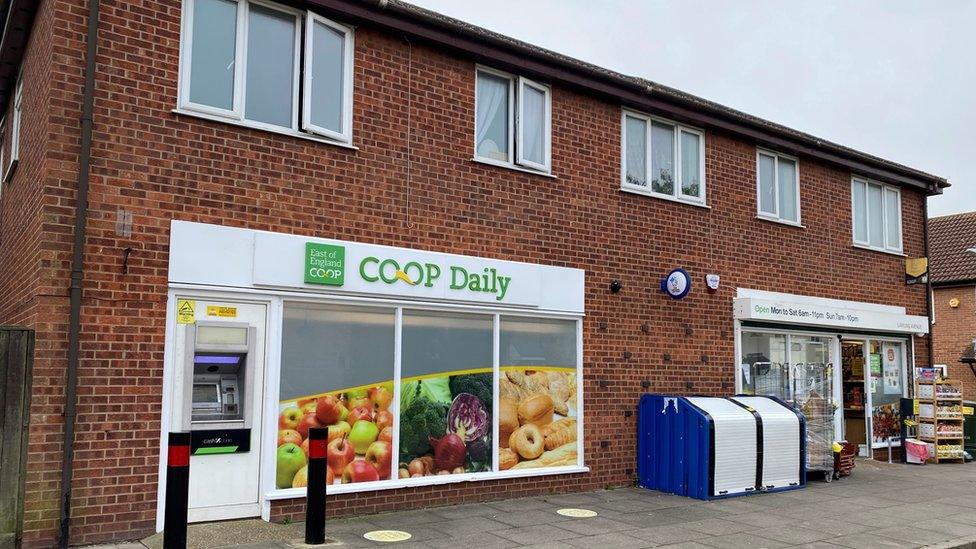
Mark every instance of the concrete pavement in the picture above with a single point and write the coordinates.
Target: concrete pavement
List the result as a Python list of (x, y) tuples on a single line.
[(880, 505)]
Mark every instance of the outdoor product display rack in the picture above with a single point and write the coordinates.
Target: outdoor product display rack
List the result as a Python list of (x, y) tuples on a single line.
[(941, 395), (813, 395)]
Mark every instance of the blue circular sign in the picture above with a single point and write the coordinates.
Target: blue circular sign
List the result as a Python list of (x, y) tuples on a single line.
[(677, 284)]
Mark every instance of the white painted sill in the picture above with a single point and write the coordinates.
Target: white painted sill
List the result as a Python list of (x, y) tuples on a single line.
[(879, 250), (665, 197), (781, 221), (434, 480), (245, 124), (515, 167)]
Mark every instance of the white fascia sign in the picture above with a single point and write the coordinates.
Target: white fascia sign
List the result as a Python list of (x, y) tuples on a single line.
[(203, 254), (827, 313)]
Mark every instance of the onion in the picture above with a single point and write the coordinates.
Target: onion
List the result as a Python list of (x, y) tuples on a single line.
[(449, 451), (416, 467)]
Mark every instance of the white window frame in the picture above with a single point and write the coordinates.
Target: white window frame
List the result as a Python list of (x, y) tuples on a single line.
[(884, 213), (300, 125), (3, 152), (515, 157), (345, 134), (677, 194), (545, 166), (777, 217), (15, 125)]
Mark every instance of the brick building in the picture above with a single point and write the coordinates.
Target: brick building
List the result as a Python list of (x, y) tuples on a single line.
[(952, 264), (320, 203)]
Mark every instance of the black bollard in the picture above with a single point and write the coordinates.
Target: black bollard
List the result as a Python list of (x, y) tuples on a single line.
[(318, 439), (177, 490)]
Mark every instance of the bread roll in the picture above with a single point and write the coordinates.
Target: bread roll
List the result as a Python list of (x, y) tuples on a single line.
[(536, 410), (507, 459), (508, 420)]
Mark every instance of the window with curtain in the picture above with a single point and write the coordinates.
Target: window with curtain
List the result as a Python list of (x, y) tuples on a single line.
[(876, 215), (662, 158), (512, 120), (778, 187), (242, 62)]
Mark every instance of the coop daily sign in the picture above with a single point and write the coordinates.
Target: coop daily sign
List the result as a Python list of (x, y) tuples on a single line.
[(326, 264), (747, 308), (371, 269)]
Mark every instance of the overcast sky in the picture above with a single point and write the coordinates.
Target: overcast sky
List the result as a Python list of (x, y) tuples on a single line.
[(889, 77)]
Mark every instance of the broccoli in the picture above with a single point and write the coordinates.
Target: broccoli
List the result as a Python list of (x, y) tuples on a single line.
[(420, 418), (479, 385)]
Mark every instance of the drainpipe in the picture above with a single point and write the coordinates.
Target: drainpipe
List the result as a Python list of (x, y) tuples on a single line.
[(77, 274), (928, 277)]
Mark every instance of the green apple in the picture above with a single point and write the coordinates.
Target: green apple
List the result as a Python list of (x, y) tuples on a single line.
[(291, 458), (353, 394), (362, 435)]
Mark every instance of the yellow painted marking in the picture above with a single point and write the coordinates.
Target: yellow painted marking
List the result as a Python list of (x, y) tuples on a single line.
[(576, 513), (387, 535)]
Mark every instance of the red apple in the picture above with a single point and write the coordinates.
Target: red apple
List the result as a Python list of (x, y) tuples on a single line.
[(308, 421), (340, 453), (383, 419), (289, 435), (386, 435), (308, 407), (290, 418), (380, 455), (359, 413), (305, 447), (329, 476), (380, 397), (327, 410), (359, 471), (338, 430)]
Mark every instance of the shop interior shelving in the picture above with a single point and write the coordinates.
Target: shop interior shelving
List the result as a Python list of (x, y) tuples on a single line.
[(941, 419)]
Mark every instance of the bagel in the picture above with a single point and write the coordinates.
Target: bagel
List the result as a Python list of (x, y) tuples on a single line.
[(527, 441)]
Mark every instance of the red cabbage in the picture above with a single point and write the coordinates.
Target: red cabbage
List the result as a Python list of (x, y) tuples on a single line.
[(468, 417)]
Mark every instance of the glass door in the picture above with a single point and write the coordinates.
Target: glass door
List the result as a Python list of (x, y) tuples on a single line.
[(886, 386)]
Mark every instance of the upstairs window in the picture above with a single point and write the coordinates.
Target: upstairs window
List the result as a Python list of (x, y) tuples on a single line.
[(778, 187), (876, 210), (242, 61), (661, 158), (513, 121)]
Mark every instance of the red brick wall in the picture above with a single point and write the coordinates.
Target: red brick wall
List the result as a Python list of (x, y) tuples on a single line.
[(953, 333), (164, 166)]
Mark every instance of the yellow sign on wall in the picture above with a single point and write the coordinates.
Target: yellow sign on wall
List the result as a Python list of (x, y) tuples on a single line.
[(186, 311), (221, 311)]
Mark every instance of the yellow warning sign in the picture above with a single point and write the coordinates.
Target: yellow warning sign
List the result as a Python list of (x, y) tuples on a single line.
[(221, 311), (185, 311)]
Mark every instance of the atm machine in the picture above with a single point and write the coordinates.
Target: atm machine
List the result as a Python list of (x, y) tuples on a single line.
[(220, 410), (217, 394)]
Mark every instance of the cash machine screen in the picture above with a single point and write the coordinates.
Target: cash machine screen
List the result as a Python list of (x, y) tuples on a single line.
[(206, 393)]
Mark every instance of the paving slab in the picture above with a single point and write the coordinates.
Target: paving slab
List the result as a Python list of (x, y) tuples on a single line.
[(879, 506)]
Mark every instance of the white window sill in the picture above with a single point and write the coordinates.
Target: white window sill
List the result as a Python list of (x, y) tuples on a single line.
[(260, 127), (515, 167), (879, 250), (665, 197), (780, 221), (393, 484)]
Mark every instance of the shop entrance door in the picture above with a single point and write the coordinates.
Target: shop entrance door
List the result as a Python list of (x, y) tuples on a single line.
[(218, 394), (874, 380)]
